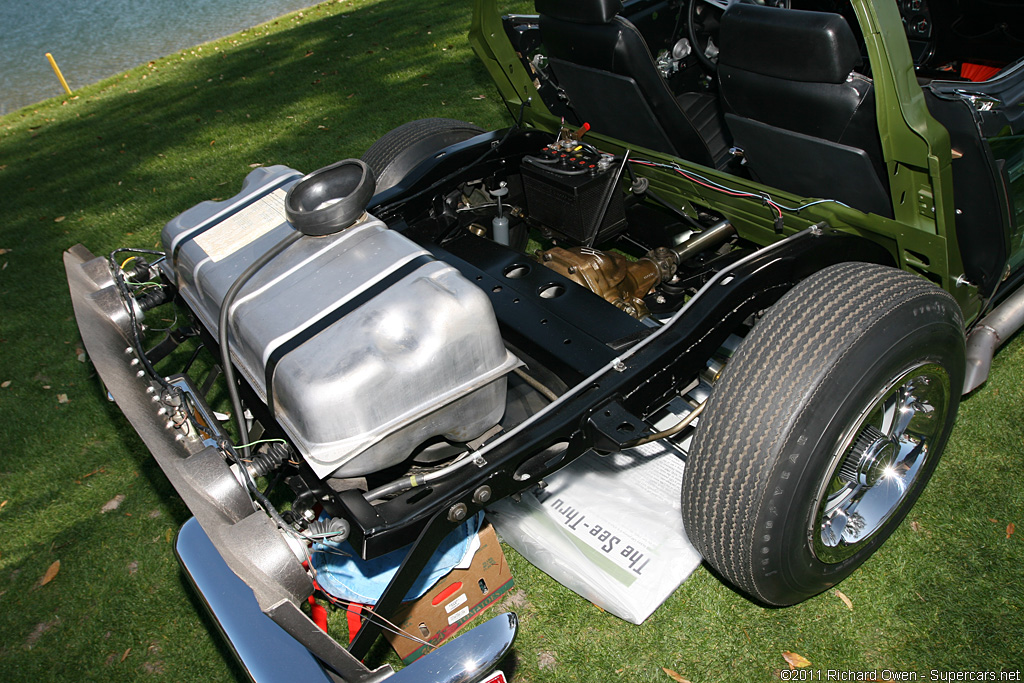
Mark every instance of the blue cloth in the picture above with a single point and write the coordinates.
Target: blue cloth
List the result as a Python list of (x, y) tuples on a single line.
[(351, 578)]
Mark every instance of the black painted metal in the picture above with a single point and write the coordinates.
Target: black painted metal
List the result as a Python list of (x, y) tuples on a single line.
[(642, 384), (569, 333)]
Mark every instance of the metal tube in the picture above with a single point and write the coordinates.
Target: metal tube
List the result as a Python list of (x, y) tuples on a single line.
[(988, 335), (710, 237)]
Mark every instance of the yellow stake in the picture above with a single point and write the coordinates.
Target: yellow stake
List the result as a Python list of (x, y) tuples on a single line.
[(56, 70)]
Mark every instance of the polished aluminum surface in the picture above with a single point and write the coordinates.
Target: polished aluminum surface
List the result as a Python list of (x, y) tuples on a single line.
[(878, 460), (988, 335), (265, 650), (270, 655), (375, 347), (468, 658)]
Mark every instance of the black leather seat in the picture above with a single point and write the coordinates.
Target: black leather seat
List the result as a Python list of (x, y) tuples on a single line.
[(804, 118), (605, 67)]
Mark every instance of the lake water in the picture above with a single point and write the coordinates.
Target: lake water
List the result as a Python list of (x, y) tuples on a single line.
[(93, 39)]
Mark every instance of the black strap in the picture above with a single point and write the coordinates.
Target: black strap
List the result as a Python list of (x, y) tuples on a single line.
[(305, 334)]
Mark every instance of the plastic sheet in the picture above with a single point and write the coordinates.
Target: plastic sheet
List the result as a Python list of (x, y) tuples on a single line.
[(608, 528)]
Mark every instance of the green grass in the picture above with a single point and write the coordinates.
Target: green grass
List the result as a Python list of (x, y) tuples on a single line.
[(109, 167)]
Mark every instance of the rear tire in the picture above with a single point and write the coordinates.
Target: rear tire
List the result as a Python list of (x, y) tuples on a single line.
[(823, 430), (399, 151)]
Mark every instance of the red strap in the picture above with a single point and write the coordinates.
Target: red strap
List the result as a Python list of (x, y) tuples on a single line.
[(318, 613), (355, 622)]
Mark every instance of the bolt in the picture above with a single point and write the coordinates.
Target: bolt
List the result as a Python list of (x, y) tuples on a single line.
[(457, 513), (482, 495)]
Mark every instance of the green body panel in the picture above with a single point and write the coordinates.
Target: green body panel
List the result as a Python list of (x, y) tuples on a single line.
[(916, 149)]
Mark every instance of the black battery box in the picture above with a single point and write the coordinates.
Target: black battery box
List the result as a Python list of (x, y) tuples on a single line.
[(568, 185)]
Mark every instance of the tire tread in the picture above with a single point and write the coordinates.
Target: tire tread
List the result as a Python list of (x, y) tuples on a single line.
[(794, 346)]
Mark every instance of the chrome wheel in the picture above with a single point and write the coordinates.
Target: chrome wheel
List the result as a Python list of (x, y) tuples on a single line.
[(878, 460), (823, 430)]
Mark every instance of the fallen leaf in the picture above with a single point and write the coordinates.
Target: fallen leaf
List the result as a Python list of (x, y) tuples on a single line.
[(4, 251), (63, 398), (6, 383), (113, 503), (1010, 528), (133, 567), (255, 165), (916, 526), (546, 659), (309, 54), (51, 573), (994, 521), (58, 219), (3, 504), (480, 97), (125, 655), (674, 676), (795, 661), (842, 596)]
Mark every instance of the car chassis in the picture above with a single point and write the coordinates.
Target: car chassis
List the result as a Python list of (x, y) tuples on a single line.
[(618, 373)]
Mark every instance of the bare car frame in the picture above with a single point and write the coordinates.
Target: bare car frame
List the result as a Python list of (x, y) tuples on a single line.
[(795, 229)]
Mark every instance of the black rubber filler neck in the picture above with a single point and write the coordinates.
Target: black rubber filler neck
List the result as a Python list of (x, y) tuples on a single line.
[(330, 199)]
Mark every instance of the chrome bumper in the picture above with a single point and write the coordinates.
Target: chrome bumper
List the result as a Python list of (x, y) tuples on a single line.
[(253, 583), (268, 654)]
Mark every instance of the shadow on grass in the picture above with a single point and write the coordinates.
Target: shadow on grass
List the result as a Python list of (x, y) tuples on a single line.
[(131, 159), (108, 170)]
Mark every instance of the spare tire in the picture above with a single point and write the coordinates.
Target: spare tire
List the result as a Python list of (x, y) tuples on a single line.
[(399, 151)]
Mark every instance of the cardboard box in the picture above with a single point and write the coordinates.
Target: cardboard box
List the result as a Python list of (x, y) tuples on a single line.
[(454, 601)]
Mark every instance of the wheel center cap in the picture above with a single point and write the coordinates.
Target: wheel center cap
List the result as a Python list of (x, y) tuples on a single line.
[(877, 461)]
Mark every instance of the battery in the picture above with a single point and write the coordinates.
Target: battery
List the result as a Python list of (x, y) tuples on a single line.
[(566, 191)]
